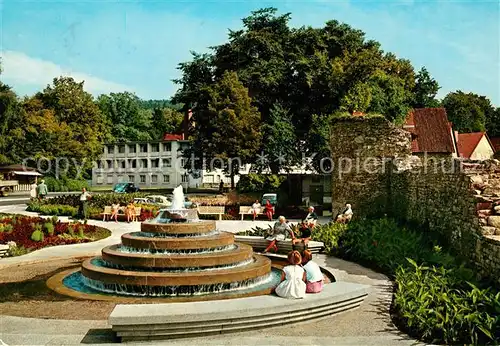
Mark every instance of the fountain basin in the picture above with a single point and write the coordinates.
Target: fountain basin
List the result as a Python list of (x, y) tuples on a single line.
[(135, 241), (240, 253), (259, 268), (179, 228)]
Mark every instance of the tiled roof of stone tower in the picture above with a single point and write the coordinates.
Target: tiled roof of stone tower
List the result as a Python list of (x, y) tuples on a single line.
[(431, 131)]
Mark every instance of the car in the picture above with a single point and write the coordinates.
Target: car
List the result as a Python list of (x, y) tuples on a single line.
[(271, 197), (187, 202), (142, 200), (161, 201), (125, 188)]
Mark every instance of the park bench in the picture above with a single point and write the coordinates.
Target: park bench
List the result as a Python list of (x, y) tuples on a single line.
[(121, 213), (211, 210), (285, 246), (4, 250), (247, 210)]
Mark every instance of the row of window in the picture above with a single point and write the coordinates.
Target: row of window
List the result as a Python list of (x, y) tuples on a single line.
[(143, 148), (142, 179), (135, 163)]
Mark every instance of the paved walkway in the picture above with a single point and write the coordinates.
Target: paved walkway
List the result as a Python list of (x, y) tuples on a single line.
[(368, 325)]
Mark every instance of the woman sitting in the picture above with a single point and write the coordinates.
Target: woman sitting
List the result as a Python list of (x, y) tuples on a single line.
[(256, 209), (130, 211), (314, 276), (269, 210), (346, 216), (114, 211), (279, 233), (293, 278)]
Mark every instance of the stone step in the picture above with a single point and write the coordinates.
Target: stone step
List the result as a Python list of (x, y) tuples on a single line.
[(164, 321), (260, 323)]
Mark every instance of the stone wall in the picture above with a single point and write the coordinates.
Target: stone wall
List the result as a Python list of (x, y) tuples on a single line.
[(461, 203), (360, 145)]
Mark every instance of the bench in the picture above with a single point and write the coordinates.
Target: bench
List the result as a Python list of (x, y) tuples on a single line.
[(285, 246), (4, 250), (247, 210), (121, 213), (211, 210)]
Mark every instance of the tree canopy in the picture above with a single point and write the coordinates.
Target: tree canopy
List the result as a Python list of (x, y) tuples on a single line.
[(311, 72), (469, 112)]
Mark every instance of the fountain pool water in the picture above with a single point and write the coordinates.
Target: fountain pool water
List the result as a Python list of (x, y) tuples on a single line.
[(174, 255)]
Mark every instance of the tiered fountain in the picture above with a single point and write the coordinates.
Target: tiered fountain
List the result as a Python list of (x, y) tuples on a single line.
[(175, 254)]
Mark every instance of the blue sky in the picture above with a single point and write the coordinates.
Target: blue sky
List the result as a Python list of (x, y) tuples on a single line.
[(136, 45)]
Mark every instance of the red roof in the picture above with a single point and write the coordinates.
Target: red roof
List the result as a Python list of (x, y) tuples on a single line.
[(173, 137), (495, 142), (467, 143), (431, 131)]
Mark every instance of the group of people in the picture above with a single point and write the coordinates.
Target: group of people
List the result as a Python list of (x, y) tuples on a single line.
[(39, 191), (129, 212), (282, 230), (268, 209), (302, 275)]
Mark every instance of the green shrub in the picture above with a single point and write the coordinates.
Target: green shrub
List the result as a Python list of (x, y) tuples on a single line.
[(18, 251), (71, 230), (437, 305), (65, 184), (81, 233), (54, 219), (48, 227), (37, 235), (330, 235)]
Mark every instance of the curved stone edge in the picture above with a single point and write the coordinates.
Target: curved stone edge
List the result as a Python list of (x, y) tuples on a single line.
[(160, 321), (241, 253), (55, 283), (179, 228), (182, 243)]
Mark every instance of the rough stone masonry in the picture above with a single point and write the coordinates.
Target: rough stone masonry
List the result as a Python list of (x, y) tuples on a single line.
[(375, 172)]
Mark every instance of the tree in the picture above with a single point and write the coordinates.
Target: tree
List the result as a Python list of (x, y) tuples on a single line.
[(493, 123), (305, 70), (468, 112), (125, 118), (66, 118), (228, 126), (425, 91), (165, 120), (11, 117), (279, 141)]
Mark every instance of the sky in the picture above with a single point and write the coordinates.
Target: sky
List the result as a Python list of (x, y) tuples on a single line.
[(137, 45)]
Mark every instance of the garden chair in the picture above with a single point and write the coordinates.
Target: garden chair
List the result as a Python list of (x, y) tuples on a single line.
[(137, 213)]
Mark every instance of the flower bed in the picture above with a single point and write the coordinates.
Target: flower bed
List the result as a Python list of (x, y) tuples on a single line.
[(33, 233), (437, 297)]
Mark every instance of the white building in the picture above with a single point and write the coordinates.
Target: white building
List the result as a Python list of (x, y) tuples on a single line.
[(147, 164)]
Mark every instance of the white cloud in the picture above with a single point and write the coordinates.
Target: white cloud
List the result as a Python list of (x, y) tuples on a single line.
[(19, 69)]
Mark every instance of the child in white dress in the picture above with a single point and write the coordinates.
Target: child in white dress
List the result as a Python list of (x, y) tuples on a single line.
[(293, 278)]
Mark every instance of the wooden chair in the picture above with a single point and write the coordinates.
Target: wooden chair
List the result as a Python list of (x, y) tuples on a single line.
[(137, 213)]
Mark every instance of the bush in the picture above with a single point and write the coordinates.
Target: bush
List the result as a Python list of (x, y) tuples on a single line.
[(436, 304), (49, 228), (18, 251), (330, 235), (65, 184), (37, 236), (259, 182)]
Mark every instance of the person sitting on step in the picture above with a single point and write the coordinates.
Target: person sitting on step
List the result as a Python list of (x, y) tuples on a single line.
[(314, 276), (293, 278)]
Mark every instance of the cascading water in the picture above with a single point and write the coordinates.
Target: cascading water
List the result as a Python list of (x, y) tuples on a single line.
[(175, 254)]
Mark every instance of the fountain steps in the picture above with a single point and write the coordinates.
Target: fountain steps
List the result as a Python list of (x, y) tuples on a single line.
[(149, 322), (177, 228), (185, 243), (240, 253), (260, 267)]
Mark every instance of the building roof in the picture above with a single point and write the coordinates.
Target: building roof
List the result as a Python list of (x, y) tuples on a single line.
[(467, 143), (431, 131), (16, 168), (495, 142), (173, 137)]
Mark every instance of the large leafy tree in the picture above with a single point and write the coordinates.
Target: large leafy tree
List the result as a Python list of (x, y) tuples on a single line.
[(165, 120), (11, 117), (228, 127), (67, 121), (125, 117), (425, 90), (306, 70), (493, 123), (468, 112)]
